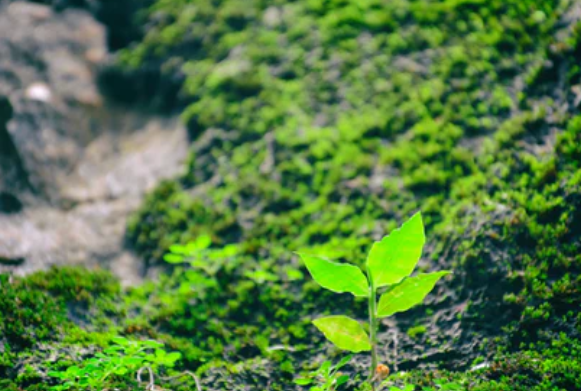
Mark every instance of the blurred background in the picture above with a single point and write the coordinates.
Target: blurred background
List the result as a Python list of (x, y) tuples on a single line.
[(127, 126)]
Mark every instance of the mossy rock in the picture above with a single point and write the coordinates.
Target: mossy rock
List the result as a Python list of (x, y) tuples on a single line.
[(371, 112), (320, 126)]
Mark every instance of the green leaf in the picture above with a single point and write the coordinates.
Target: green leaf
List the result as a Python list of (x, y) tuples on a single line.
[(337, 277), (134, 361), (344, 332), (173, 258), (395, 256), (341, 380), (343, 362), (151, 343), (412, 291), (230, 250), (202, 242), (303, 381), (171, 358), (325, 368), (84, 381), (178, 249), (120, 340)]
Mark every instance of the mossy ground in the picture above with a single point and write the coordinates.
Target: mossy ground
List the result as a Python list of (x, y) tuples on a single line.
[(319, 126)]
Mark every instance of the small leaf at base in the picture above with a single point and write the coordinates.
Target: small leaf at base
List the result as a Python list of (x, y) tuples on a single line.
[(344, 332)]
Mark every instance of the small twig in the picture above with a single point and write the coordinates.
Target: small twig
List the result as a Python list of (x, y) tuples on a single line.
[(198, 387), (280, 347), (151, 384)]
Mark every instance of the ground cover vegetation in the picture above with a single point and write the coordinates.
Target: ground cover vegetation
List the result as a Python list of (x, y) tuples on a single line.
[(319, 127)]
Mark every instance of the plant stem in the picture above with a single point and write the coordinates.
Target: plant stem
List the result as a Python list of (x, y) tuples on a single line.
[(372, 326)]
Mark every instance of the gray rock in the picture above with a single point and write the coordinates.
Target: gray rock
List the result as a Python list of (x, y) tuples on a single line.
[(48, 72), (72, 166)]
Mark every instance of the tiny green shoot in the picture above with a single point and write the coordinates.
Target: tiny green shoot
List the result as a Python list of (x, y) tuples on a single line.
[(121, 358), (327, 377), (204, 262), (389, 266), (200, 256)]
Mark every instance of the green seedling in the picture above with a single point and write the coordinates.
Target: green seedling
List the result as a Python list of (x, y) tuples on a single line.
[(327, 377), (440, 386), (389, 266), (123, 357), (443, 385), (200, 256), (205, 263), (407, 387)]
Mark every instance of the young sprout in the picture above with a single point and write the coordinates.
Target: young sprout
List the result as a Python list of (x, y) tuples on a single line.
[(389, 266), (327, 377)]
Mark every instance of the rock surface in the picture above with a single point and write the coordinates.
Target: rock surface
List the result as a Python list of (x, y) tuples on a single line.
[(71, 167)]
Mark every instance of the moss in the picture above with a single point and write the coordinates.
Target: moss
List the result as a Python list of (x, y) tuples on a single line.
[(170, 207), (27, 315), (417, 331), (46, 309), (371, 111), (546, 365), (437, 101)]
